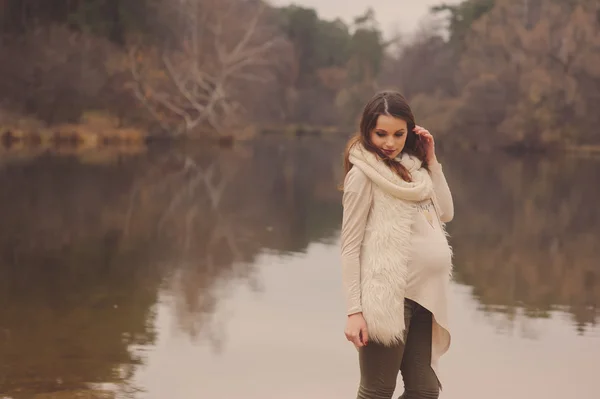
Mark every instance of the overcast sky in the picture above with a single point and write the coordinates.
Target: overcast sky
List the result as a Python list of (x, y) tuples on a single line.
[(393, 15)]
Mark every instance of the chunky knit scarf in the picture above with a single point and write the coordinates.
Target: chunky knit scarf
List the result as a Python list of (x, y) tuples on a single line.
[(421, 188)]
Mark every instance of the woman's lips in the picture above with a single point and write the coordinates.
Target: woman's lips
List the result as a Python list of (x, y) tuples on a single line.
[(389, 152)]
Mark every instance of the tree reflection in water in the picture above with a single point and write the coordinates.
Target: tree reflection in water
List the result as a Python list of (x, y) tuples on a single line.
[(87, 248), (526, 234)]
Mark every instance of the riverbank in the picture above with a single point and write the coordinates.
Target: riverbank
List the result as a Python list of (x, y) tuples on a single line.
[(102, 131)]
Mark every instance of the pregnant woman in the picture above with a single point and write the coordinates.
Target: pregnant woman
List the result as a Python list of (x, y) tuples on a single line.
[(396, 260)]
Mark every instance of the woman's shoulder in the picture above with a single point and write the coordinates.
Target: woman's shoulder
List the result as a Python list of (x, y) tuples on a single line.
[(356, 180)]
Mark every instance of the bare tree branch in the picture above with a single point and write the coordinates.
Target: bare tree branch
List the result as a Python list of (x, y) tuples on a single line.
[(251, 30), (198, 92), (182, 90), (138, 90)]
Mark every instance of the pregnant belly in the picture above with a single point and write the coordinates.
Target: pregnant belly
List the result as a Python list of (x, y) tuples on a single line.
[(431, 255)]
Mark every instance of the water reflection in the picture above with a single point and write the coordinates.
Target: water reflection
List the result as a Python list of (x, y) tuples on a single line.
[(74, 294), (85, 248), (528, 233), (94, 256)]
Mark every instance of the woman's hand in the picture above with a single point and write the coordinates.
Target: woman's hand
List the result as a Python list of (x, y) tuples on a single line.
[(428, 144), (356, 330)]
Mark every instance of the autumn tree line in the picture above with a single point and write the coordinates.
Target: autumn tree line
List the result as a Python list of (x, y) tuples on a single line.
[(512, 73)]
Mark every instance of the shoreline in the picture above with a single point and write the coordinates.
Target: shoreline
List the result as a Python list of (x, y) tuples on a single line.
[(99, 135)]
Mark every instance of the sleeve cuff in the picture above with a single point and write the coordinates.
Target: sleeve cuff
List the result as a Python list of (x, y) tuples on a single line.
[(354, 310), (435, 167)]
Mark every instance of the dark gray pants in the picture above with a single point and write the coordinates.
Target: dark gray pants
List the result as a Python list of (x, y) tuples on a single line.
[(379, 365)]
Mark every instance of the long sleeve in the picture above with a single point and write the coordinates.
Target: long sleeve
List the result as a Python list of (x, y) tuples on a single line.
[(442, 192), (357, 199)]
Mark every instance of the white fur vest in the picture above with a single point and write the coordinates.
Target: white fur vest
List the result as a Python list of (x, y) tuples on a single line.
[(385, 250)]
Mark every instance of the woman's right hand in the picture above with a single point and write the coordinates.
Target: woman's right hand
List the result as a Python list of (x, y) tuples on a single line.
[(356, 330)]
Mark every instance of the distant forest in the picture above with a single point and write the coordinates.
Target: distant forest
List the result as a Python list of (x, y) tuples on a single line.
[(490, 73)]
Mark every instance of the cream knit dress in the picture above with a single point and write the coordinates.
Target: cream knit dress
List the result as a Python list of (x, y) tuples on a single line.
[(430, 259)]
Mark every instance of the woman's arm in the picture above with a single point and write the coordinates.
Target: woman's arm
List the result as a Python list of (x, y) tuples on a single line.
[(440, 185), (357, 203), (442, 191)]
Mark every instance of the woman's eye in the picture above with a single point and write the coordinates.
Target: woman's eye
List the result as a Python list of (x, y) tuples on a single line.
[(381, 134), (399, 134)]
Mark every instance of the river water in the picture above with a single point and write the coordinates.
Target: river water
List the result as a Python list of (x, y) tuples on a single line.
[(214, 273)]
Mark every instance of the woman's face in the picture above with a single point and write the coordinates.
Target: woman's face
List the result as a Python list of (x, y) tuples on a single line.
[(389, 135)]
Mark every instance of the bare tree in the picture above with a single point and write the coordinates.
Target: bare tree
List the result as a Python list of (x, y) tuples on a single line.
[(192, 86)]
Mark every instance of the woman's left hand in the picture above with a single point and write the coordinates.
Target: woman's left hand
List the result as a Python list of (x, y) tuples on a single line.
[(427, 142)]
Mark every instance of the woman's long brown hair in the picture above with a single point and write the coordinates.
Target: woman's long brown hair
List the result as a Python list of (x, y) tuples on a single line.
[(393, 104)]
